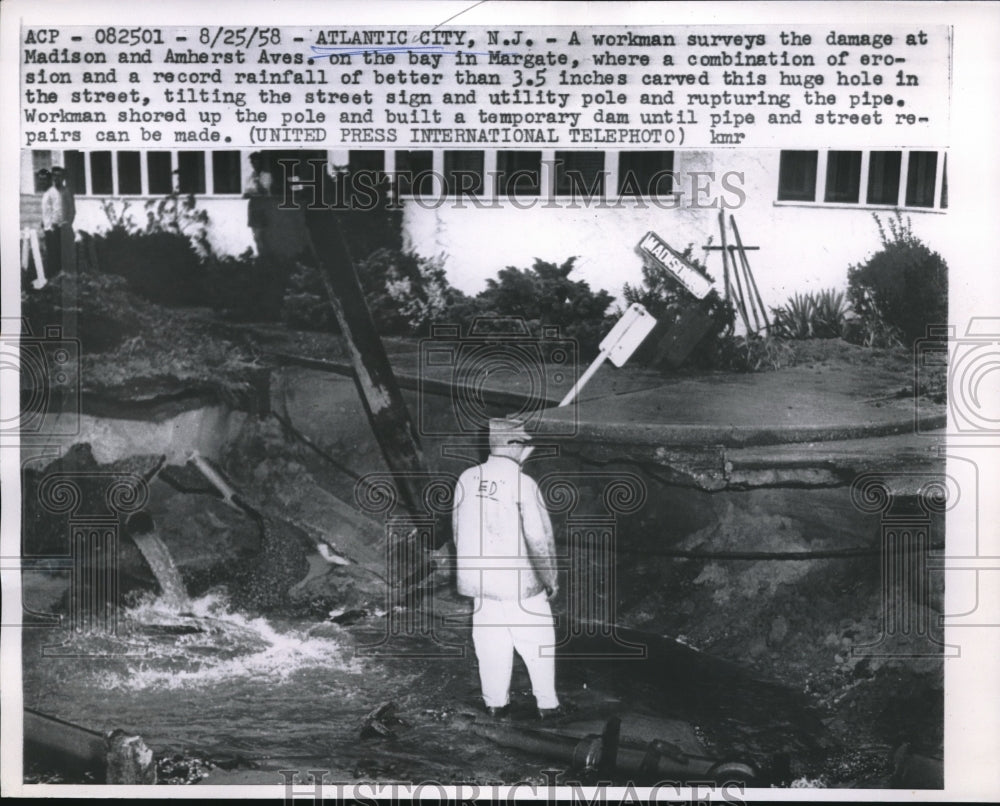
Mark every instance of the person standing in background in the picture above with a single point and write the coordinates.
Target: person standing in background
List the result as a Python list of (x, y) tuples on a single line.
[(52, 220), (258, 192), (67, 235)]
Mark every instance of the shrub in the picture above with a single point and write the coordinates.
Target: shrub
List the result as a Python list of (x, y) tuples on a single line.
[(545, 295), (406, 292), (820, 315), (899, 290), (160, 259), (755, 353)]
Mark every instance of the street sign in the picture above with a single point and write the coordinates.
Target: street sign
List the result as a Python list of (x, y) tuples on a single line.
[(627, 334), (621, 341), (654, 249)]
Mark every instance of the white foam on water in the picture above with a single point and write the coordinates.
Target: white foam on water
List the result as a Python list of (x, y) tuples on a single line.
[(226, 646)]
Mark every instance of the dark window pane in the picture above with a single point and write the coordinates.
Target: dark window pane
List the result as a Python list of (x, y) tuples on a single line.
[(645, 173), (416, 172), (129, 181), (75, 176), (370, 164), (463, 172), (883, 177), (920, 176), (797, 176), (191, 167), (944, 183), (100, 173), (580, 173), (519, 173), (158, 167), (843, 176), (226, 172), (366, 161)]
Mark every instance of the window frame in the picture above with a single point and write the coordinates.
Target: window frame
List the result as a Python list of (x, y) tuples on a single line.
[(822, 158), (207, 166)]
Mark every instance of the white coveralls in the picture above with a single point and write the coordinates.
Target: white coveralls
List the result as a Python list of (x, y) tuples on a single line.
[(505, 561)]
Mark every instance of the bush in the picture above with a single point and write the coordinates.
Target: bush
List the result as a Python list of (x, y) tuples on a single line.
[(162, 258), (406, 292), (754, 353), (805, 316), (544, 295), (899, 290)]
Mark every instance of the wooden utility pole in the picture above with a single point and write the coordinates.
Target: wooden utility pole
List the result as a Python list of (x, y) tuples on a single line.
[(407, 558), (380, 394)]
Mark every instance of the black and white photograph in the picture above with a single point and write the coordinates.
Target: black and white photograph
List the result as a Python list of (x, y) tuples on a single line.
[(500, 401)]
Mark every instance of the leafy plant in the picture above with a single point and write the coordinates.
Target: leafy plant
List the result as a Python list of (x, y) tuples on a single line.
[(829, 314), (406, 292), (544, 294), (793, 320), (899, 290), (755, 353), (161, 254), (821, 315)]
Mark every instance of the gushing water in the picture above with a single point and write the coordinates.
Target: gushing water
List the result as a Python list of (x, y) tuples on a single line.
[(146, 537), (163, 566)]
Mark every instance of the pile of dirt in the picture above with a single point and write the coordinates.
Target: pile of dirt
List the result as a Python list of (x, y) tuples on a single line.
[(131, 348)]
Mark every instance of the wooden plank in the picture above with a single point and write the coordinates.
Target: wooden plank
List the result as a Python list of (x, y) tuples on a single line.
[(725, 254), (380, 393), (752, 280)]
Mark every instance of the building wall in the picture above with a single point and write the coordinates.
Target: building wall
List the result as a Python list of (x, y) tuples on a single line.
[(803, 246)]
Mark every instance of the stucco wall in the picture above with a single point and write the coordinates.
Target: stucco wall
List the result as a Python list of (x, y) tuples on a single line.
[(802, 247)]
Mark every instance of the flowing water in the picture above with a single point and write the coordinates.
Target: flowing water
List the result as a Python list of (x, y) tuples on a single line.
[(162, 564), (200, 680)]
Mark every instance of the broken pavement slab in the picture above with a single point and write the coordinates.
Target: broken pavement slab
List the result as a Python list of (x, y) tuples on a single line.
[(795, 427)]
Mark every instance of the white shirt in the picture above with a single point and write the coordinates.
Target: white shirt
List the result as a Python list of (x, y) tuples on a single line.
[(500, 526)]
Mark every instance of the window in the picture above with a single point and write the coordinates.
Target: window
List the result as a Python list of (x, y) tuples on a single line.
[(580, 173), (75, 171), (645, 173), (797, 176), (883, 177), (920, 179), (129, 173), (944, 184), (843, 177), (519, 173), (101, 182), (901, 178), (225, 172), (191, 171), (366, 161), (463, 172), (159, 166), (415, 172)]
